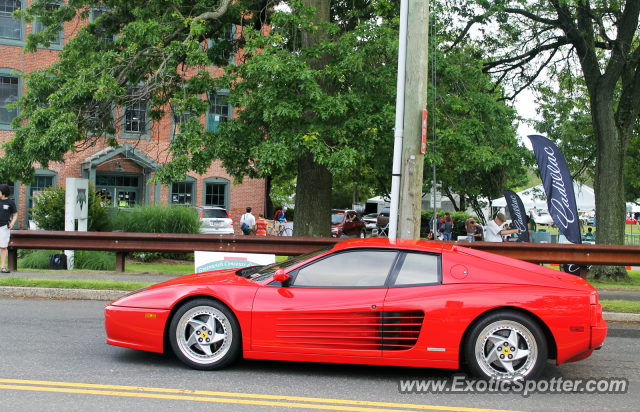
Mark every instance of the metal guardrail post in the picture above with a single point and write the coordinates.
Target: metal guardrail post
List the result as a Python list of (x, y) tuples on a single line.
[(12, 259), (120, 258)]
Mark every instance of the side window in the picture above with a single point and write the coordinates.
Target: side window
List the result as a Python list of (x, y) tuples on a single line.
[(418, 269), (367, 268)]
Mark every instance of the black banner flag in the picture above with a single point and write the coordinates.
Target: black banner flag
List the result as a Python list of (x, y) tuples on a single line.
[(518, 215), (558, 186)]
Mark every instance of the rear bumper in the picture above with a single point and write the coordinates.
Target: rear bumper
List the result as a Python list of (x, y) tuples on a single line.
[(214, 231), (136, 328)]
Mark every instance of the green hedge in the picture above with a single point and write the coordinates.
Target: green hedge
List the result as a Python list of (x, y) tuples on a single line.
[(458, 222), (48, 209), (156, 219)]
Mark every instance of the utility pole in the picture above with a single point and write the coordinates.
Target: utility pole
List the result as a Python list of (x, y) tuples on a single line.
[(406, 179), (417, 82)]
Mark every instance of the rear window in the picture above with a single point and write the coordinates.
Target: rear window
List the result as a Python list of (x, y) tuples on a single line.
[(214, 213), (337, 217)]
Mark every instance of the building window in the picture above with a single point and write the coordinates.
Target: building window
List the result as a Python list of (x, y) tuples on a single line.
[(220, 46), (183, 193), (220, 111), (10, 28), (9, 92), (178, 119), (95, 14), (135, 116), (38, 28), (214, 195)]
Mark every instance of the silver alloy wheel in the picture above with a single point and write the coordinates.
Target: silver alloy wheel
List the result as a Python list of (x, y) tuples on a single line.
[(506, 349), (204, 335)]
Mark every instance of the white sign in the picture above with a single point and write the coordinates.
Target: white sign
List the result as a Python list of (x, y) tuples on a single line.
[(207, 261), (76, 206), (438, 199)]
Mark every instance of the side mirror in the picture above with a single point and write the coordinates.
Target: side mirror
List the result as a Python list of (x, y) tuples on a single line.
[(280, 276)]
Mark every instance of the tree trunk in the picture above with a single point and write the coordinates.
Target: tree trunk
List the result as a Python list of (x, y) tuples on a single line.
[(268, 212), (313, 199), (313, 188), (611, 147)]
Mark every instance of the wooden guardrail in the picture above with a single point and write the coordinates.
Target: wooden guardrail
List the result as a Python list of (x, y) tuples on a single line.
[(121, 243)]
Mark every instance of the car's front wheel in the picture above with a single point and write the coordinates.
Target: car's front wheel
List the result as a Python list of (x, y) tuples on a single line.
[(506, 345), (205, 334)]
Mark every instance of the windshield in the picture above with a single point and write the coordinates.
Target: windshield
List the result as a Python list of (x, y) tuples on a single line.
[(214, 213), (267, 271), (336, 217)]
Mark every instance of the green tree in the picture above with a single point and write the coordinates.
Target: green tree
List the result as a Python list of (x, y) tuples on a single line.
[(316, 88), (597, 37), (477, 150)]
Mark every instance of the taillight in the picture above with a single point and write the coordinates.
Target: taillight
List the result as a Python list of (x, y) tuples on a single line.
[(227, 214), (596, 314), (201, 213)]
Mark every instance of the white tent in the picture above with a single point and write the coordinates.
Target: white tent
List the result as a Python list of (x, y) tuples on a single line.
[(535, 197)]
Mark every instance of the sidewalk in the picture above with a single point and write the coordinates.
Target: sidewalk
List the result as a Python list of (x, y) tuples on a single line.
[(63, 274)]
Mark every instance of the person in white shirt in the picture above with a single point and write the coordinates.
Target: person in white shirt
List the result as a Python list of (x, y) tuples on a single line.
[(493, 232), (250, 220)]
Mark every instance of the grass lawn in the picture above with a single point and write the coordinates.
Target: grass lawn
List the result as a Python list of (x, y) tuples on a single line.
[(151, 269), (625, 306), (73, 283)]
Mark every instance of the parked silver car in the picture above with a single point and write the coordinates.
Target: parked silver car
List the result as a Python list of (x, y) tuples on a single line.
[(370, 220), (215, 220)]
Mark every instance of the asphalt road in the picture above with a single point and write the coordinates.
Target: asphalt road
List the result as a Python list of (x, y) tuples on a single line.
[(52, 351)]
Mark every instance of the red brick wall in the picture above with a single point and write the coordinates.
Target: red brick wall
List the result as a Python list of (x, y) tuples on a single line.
[(249, 193)]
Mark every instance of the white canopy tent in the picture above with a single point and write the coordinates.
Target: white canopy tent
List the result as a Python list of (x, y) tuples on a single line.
[(535, 197)]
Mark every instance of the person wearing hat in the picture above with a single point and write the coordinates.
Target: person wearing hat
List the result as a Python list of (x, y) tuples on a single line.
[(494, 233)]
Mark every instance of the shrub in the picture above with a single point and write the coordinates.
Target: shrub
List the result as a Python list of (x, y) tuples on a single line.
[(458, 222), (151, 256), (84, 260), (48, 209), (156, 219)]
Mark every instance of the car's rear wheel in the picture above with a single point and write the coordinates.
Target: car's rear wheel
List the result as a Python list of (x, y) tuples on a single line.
[(506, 345), (205, 334), (363, 234)]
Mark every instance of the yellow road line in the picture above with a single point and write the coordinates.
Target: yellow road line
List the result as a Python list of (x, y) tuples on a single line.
[(182, 394)]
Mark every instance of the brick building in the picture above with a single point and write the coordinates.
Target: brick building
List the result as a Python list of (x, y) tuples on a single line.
[(122, 175)]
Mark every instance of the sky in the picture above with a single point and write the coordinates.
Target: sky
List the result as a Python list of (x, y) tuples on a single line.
[(526, 107)]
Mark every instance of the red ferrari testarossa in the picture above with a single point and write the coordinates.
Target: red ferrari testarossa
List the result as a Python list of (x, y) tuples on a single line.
[(370, 301)]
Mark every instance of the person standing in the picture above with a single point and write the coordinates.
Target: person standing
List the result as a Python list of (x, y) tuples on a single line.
[(494, 232), (470, 228), (261, 225), (279, 220), (434, 225), (8, 218), (447, 226), (479, 236), (248, 223)]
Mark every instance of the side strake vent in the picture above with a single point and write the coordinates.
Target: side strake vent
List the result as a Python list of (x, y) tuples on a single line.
[(400, 330), (354, 331)]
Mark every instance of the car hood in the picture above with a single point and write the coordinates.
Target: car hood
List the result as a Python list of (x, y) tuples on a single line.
[(163, 295)]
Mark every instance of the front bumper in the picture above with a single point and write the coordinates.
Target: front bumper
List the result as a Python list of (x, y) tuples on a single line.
[(136, 328)]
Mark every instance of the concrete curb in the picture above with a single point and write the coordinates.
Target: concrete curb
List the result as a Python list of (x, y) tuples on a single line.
[(54, 293), (621, 317)]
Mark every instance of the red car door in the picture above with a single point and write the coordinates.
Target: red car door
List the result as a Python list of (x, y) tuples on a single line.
[(333, 306), (417, 310)]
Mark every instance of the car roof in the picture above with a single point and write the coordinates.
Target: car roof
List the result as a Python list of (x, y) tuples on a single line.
[(343, 210), (382, 242)]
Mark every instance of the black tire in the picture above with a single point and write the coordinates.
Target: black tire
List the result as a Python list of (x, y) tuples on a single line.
[(216, 324), (495, 330)]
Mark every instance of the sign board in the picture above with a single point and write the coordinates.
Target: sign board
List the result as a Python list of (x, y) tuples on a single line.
[(207, 261), (423, 148), (77, 197)]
